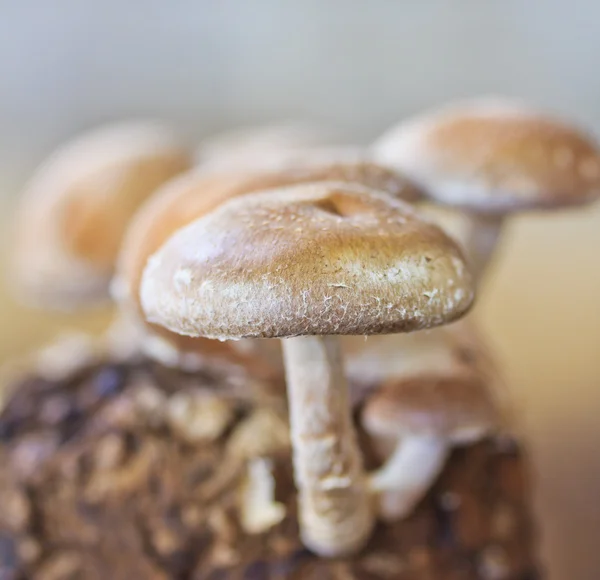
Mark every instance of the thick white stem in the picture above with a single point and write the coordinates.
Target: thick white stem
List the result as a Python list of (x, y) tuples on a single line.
[(482, 240), (335, 512), (407, 475)]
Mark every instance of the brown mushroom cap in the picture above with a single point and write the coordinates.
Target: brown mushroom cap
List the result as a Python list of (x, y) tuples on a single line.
[(197, 193), (328, 258), (177, 203), (456, 406), (348, 164), (73, 215), (495, 156)]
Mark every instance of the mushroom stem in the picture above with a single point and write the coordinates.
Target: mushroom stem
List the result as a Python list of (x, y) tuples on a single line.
[(406, 476), (482, 240), (335, 512)]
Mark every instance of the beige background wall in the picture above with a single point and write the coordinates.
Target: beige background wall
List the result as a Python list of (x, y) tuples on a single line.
[(68, 64)]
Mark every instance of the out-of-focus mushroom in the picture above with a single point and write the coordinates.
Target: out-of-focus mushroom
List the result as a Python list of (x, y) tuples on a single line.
[(307, 263), (494, 158), (258, 509), (247, 146), (199, 416), (73, 214), (65, 355), (426, 414), (197, 193), (265, 432), (373, 360)]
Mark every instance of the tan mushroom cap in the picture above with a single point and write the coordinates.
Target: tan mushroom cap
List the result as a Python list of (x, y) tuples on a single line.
[(495, 156), (247, 145), (197, 193), (351, 164), (75, 210), (458, 406), (318, 259), (289, 166)]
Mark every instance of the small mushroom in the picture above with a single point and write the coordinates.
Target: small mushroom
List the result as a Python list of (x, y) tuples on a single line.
[(304, 264), (73, 214), (494, 158), (264, 432), (65, 355), (426, 415), (261, 434), (258, 509), (196, 194), (199, 416), (373, 360)]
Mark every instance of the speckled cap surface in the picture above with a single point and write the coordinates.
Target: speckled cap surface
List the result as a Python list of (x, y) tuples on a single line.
[(328, 258), (198, 192)]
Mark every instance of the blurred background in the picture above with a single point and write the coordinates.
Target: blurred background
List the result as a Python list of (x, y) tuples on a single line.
[(208, 65)]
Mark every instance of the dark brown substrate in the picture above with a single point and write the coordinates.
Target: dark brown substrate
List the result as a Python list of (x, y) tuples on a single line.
[(95, 483)]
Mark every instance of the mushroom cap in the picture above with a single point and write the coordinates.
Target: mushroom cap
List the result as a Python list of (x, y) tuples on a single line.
[(247, 145), (494, 156), (172, 206), (74, 212), (199, 192), (351, 164), (317, 259), (455, 406), (372, 360)]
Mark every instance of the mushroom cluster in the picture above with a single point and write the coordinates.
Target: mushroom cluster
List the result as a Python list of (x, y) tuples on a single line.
[(309, 266), (306, 264), (491, 158)]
